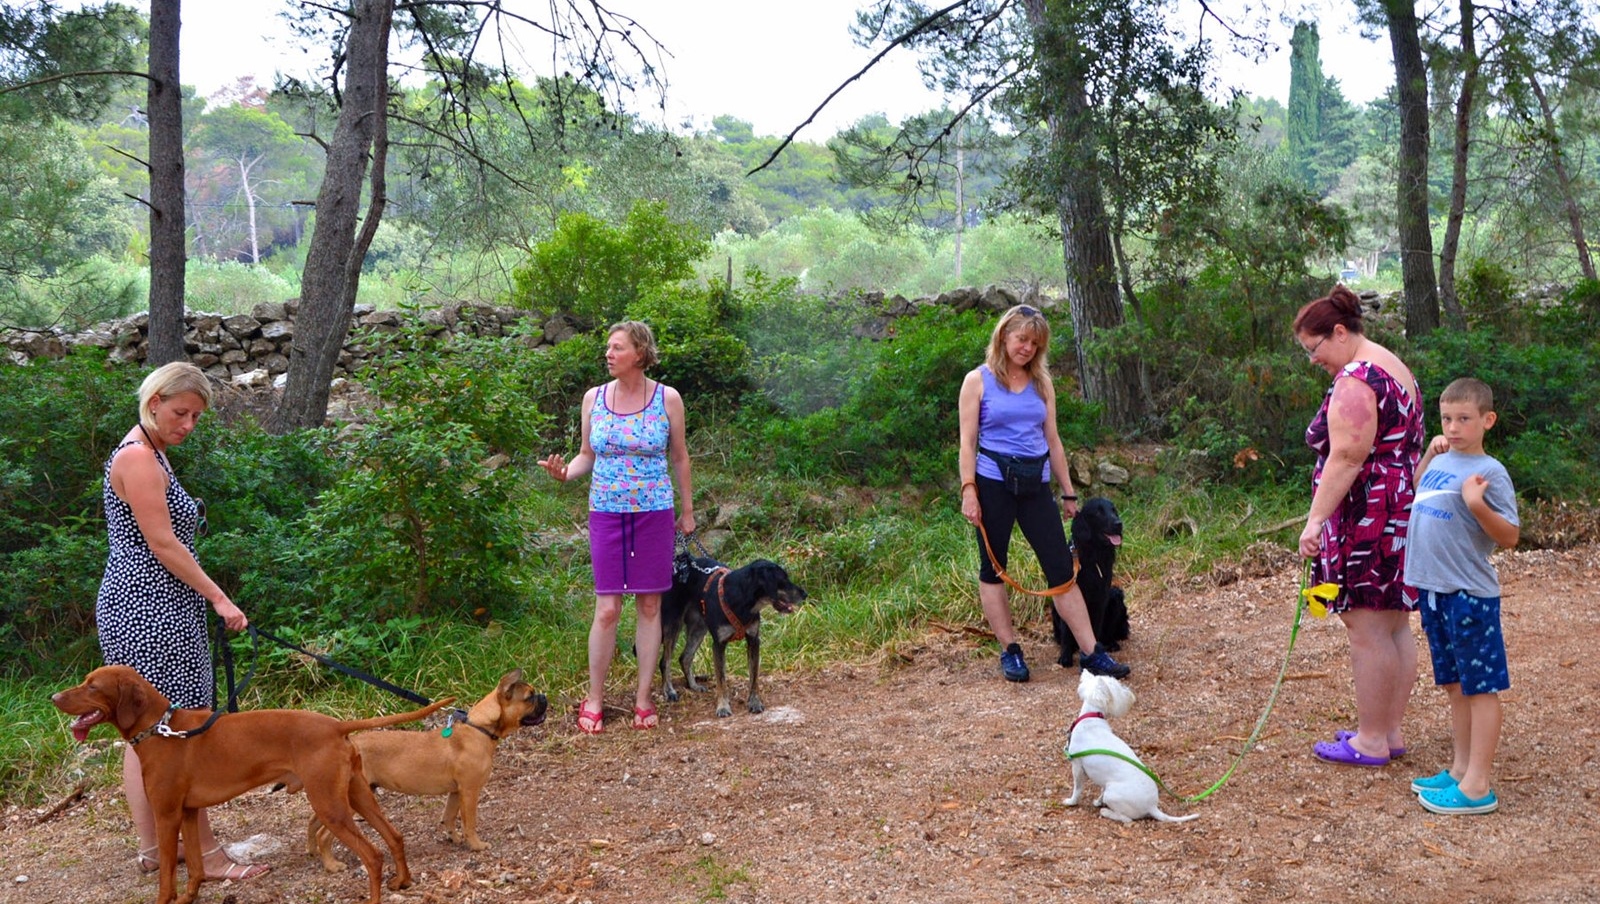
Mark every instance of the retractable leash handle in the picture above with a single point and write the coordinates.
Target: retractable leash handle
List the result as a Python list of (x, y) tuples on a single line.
[(1313, 598)]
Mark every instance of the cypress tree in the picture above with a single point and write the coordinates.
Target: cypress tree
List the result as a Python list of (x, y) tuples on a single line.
[(1303, 129)]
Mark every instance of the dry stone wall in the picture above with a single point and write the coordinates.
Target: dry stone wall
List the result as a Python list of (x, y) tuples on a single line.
[(252, 350)]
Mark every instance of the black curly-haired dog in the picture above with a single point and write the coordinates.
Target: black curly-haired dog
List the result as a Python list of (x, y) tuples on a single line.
[(1096, 534), (709, 598)]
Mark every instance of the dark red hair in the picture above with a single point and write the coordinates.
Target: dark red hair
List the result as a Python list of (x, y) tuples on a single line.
[(1318, 318)]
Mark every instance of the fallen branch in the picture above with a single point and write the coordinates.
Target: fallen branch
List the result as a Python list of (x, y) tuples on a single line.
[(973, 630), (1274, 528), (75, 795)]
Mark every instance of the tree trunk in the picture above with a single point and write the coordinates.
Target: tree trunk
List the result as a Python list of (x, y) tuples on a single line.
[(1091, 277), (1564, 179), (1091, 272), (1411, 189), (164, 103), (333, 261), (1458, 178)]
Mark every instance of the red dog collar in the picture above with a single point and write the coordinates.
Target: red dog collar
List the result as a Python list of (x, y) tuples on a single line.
[(1084, 717)]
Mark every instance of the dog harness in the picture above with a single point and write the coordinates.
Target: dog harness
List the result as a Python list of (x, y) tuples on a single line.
[(714, 587)]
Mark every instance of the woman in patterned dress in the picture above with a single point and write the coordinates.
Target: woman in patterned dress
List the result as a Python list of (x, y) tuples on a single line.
[(1368, 437), (633, 435), (151, 610)]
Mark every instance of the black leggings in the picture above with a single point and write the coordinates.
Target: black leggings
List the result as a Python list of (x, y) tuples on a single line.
[(1039, 516)]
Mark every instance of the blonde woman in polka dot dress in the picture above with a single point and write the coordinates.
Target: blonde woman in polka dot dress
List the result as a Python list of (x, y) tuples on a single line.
[(151, 610)]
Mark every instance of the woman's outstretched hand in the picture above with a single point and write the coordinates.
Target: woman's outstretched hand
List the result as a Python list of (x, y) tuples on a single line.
[(556, 466)]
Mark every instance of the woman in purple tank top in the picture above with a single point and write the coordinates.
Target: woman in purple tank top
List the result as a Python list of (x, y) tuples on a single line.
[(633, 447), (1010, 447)]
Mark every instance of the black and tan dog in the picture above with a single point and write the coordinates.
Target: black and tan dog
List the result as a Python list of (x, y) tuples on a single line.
[(708, 598), (455, 761), (1096, 537)]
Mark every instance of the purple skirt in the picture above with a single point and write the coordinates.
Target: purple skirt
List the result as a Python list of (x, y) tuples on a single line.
[(631, 551)]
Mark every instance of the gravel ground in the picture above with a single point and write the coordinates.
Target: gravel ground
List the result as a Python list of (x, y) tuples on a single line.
[(921, 776)]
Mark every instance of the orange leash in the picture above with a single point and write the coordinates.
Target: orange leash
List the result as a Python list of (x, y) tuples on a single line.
[(995, 562)]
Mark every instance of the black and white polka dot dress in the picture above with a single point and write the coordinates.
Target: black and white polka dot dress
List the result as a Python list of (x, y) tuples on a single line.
[(148, 618)]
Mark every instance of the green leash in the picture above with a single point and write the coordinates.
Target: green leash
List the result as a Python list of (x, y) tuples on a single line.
[(1304, 597)]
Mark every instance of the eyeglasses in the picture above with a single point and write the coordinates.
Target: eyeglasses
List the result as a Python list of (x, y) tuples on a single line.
[(201, 528), (1312, 351)]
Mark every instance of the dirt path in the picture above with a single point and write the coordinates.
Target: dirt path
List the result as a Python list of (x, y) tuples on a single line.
[(926, 778)]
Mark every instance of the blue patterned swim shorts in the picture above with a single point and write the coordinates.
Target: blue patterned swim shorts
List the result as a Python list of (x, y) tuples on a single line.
[(1465, 641)]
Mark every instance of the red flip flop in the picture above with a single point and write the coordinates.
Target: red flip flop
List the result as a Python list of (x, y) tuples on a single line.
[(590, 721), (644, 719)]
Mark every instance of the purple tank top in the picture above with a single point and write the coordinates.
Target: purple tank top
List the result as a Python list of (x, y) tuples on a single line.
[(1010, 423)]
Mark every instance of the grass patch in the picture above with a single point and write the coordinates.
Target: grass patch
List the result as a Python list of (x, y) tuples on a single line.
[(715, 878)]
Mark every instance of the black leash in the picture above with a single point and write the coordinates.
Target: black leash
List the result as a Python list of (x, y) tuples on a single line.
[(373, 680), (236, 689)]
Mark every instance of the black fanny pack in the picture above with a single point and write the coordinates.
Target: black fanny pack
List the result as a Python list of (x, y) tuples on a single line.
[(1022, 476)]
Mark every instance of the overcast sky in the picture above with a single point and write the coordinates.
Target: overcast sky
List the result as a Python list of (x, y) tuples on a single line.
[(771, 63)]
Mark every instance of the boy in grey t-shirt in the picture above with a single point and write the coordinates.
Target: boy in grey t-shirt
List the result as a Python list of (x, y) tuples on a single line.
[(1465, 508)]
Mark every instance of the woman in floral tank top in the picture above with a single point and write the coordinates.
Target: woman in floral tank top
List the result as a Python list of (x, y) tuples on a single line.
[(1368, 437), (634, 450)]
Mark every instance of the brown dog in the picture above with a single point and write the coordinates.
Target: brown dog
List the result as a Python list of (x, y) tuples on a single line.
[(238, 752), (456, 761)]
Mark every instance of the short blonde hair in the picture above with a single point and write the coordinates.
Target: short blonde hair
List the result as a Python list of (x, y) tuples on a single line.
[(638, 332), (170, 380), (1022, 318)]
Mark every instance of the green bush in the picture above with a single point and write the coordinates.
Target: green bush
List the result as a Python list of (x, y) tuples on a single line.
[(1547, 398), (900, 417), (1548, 463), (258, 487), (1488, 296), (559, 375), (47, 602), (426, 521), (1573, 320), (1226, 373), (699, 357), (62, 419), (804, 350), (73, 296), (596, 271)]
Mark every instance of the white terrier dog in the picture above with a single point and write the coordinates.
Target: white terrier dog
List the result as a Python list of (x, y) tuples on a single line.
[(1127, 792)]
